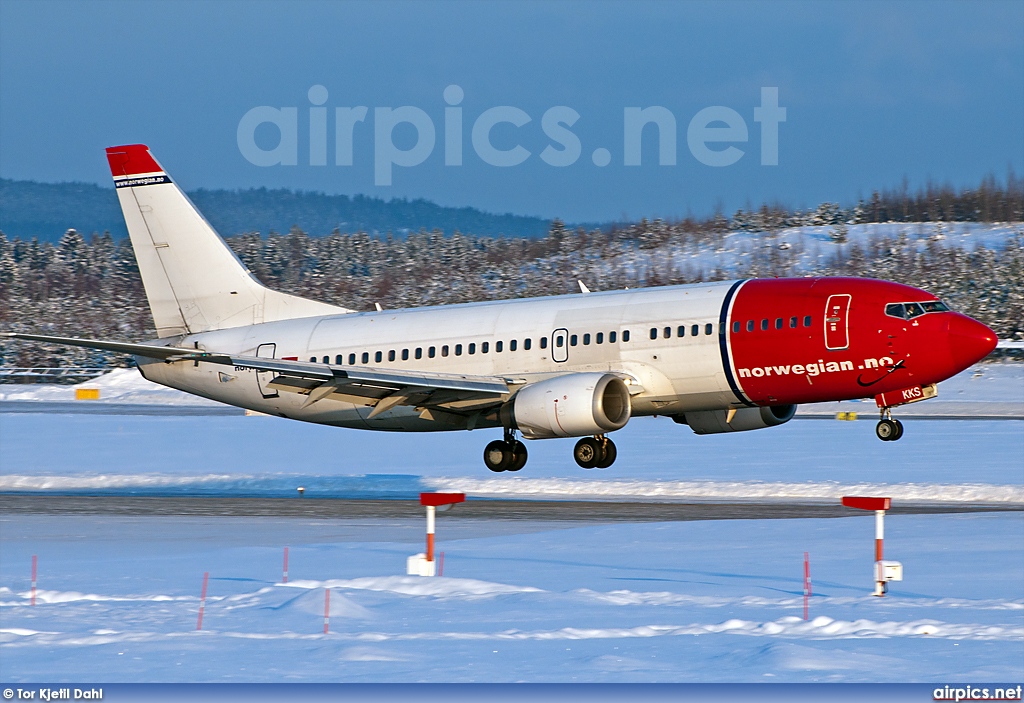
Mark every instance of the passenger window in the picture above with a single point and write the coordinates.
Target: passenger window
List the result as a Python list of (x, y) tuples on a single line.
[(764, 324), (472, 347), (511, 345), (625, 336), (709, 328), (431, 352), (444, 350), (527, 343), (807, 321), (366, 357), (378, 357), (778, 323), (419, 352), (654, 333), (339, 359), (586, 339), (681, 331), (611, 338), (312, 359), (543, 342), (485, 347), (913, 310), (667, 332), (405, 355), (792, 323), (458, 350), (574, 340), (559, 341), (694, 330), (750, 325), (497, 346), (327, 359), (598, 338), (735, 327), (391, 355), (352, 359)]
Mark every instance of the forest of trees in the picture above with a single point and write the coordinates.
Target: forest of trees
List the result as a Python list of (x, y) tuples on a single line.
[(90, 285)]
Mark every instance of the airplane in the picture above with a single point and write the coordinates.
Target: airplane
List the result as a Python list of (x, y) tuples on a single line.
[(719, 357)]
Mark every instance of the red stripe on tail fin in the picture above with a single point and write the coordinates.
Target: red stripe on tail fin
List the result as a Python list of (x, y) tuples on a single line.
[(131, 159)]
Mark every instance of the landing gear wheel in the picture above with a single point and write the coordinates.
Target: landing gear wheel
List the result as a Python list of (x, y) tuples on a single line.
[(888, 430), (608, 454), (498, 456), (899, 429), (587, 452), (519, 456)]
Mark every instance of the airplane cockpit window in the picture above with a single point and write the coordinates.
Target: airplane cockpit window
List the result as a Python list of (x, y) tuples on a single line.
[(908, 311)]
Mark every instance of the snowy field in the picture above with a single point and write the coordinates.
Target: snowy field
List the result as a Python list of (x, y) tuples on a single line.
[(118, 597), (690, 601)]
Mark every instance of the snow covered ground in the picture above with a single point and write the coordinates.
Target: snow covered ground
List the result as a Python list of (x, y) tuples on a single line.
[(118, 600), (519, 600)]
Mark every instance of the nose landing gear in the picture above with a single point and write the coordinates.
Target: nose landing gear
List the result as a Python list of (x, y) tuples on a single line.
[(596, 452), (507, 454), (888, 429)]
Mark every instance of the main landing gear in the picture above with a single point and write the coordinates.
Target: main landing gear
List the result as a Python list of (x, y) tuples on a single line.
[(888, 429), (596, 452), (507, 454)]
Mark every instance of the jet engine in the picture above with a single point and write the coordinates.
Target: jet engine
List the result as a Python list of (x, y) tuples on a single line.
[(574, 405), (715, 421)]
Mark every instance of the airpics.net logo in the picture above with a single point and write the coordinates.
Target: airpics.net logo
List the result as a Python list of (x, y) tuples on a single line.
[(712, 134)]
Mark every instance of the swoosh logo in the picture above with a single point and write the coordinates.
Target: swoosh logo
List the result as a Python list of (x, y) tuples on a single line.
[(867, 384)]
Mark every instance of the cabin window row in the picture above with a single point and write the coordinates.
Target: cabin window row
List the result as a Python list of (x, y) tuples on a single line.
[(780, 323), (470, 348), (680, 330), (596, 338)]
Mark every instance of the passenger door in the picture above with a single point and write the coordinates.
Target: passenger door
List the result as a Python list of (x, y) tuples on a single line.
[(837, 322), (266, 351)]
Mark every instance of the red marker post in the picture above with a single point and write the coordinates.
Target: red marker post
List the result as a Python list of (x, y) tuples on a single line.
[(885, 571)]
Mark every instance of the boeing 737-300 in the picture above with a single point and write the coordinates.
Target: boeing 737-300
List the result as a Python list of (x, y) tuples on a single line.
[(719, 357)]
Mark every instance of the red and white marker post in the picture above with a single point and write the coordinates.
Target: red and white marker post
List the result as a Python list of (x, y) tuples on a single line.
[(807, 583), (327, 610), (424, 564), (885, 571), (202, 600)]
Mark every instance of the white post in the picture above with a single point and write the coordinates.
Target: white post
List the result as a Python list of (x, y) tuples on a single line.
[(879, 537)]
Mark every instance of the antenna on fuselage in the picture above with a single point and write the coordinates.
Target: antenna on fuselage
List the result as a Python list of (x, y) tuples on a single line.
[(583, 287)]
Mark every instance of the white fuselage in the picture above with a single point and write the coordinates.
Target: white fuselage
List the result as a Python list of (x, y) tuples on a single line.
[(519, 340)]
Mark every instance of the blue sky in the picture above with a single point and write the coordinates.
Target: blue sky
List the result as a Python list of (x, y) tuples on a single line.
[(873, 93)]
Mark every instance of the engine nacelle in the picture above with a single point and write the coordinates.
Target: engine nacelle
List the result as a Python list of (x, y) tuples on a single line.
[(715, 421), (574, 405)]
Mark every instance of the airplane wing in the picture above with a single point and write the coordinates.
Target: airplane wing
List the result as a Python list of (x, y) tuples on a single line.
[(382, 388)]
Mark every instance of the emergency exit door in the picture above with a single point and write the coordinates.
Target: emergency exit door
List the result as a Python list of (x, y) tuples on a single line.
[(266, 351), (560, 345), (837, 322)]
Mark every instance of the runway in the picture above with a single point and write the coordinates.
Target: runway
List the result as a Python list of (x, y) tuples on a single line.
[(573, 511)]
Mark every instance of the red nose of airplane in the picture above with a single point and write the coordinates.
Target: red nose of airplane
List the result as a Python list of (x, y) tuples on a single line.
[(969, 341)]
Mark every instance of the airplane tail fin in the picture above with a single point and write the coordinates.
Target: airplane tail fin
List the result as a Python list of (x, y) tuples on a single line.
[(193, 281)]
